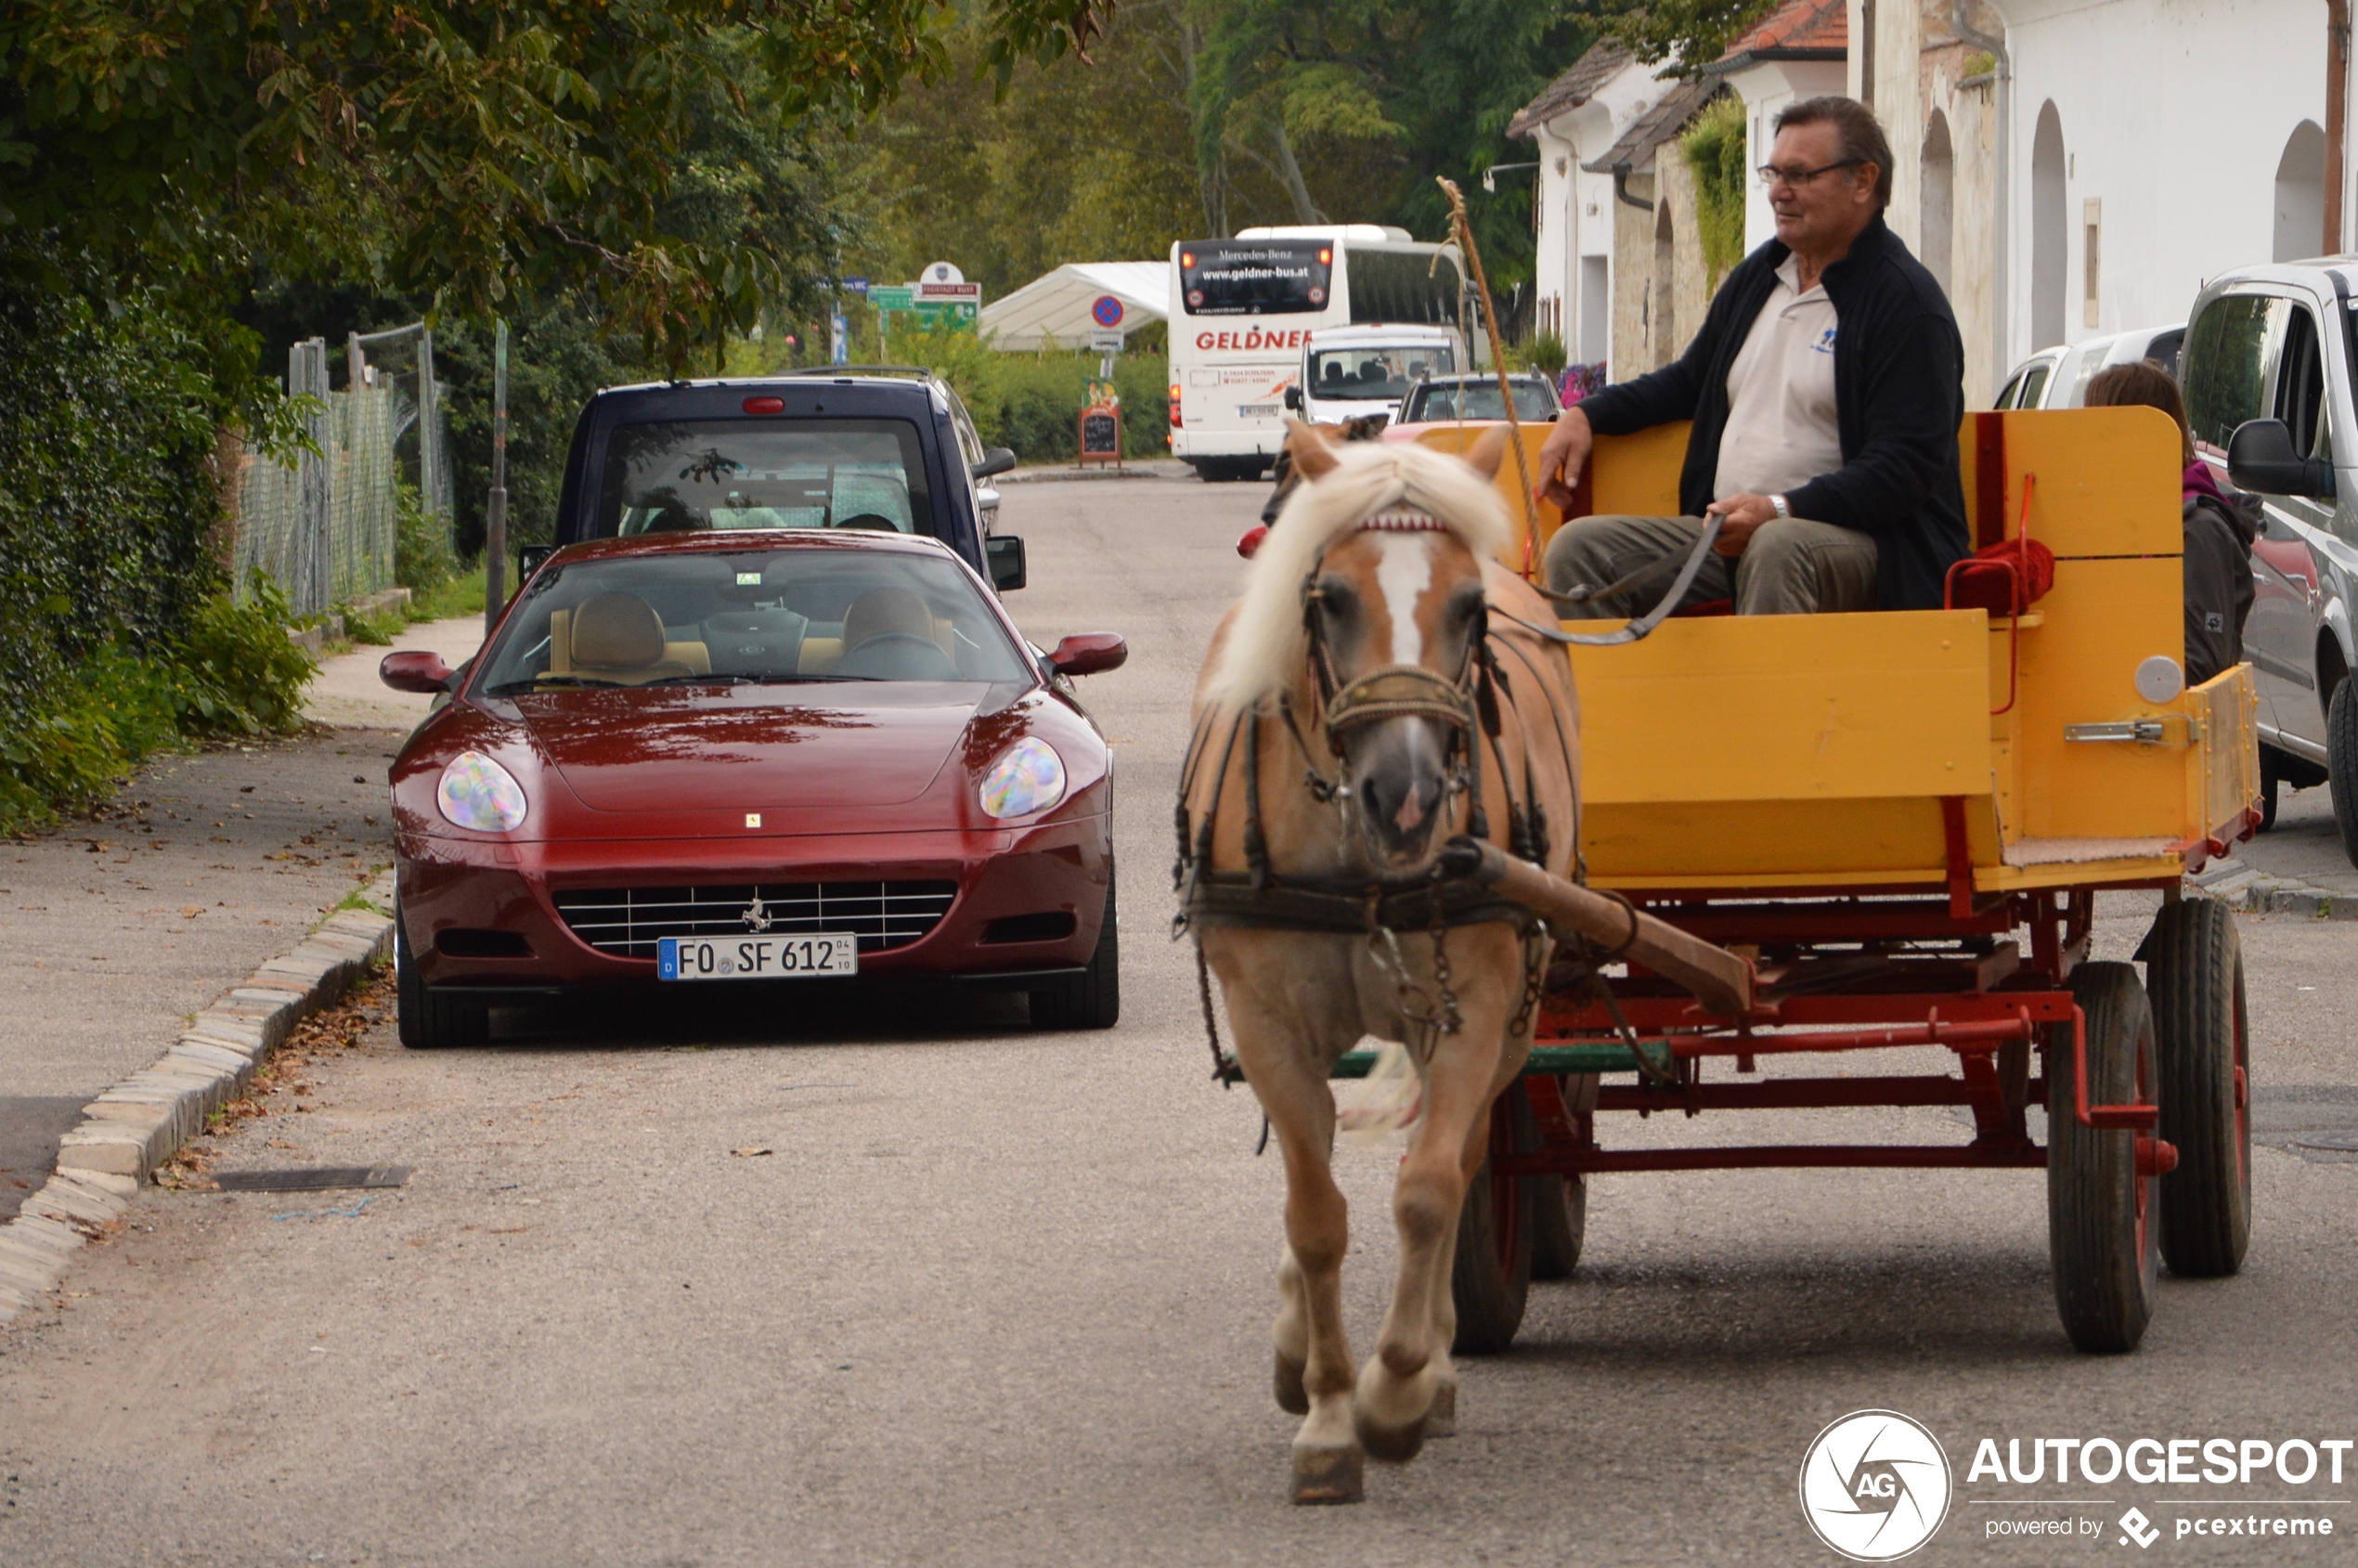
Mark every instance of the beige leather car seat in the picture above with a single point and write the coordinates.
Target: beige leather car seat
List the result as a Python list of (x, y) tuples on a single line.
[(619, 637)]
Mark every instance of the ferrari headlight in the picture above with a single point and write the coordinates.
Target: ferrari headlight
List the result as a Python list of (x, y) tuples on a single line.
[(1028, 777), (477, 793)]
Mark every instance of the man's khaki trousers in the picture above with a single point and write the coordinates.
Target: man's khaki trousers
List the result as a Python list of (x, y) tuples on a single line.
[(1792, 566)]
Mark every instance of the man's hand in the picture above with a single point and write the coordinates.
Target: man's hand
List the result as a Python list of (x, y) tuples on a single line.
[(1741, 515), (1562, 457)]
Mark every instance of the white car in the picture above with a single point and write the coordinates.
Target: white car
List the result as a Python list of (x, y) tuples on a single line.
[(2058, 377), (1350, 372)]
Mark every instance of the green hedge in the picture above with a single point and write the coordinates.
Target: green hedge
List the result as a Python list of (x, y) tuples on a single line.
[(121, 639), (1032, 402)]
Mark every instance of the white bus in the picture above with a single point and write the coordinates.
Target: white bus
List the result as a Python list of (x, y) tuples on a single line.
[(1242, 309)]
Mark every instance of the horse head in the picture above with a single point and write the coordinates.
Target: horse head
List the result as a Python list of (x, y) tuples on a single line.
[(1287, 478), (1370, 599)]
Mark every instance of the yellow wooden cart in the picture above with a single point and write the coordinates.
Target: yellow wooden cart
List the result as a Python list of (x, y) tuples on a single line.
[(1884, 812)]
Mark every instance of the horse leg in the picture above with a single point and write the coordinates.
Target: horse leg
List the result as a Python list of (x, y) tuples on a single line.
[(1314, 1374), (1400, 1383)]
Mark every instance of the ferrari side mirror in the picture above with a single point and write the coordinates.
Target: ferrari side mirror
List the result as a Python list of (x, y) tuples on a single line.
[(415, 670), (1088, 653)]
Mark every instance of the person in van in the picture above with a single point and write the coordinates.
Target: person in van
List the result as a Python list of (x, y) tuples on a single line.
[(1826, 388), (2220, 522)]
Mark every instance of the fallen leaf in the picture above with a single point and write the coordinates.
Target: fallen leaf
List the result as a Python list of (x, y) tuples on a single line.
[(280, 1143), (751, 1151), (191, 912), (507, 1230)]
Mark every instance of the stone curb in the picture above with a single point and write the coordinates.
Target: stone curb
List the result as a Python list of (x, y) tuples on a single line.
[(2256, 892), (138, 1123)]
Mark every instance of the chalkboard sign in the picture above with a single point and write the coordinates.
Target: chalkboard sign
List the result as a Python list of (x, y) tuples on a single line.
[(1101, 434)]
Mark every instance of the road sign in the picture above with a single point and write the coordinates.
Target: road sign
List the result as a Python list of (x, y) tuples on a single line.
[(1106, 312), (855, 285), (1106, 342), (889, 296)]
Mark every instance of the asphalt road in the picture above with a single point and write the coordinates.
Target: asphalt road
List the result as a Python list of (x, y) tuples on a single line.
[(998, 1298)]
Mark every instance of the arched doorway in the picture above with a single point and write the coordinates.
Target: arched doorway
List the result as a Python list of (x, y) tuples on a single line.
[(1939, 199), (2301, 196), (1666, 323), (2049, 241)]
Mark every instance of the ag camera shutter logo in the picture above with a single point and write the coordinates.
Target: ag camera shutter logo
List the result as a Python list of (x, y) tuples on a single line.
[(1876, 1485)]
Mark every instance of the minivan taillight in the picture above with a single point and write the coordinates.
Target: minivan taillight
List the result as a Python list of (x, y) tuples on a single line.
[(1175, 422), (765, 405)]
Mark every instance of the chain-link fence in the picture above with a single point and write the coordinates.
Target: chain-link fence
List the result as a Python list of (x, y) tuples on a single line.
[(325, 530)]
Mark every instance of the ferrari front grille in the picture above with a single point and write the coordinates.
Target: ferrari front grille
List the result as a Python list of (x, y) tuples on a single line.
[(628, 922)]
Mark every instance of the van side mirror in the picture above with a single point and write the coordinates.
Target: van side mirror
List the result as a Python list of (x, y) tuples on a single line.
[(414, 670), (2261, 456), (995, 459), (1005, 553), (528, 561), (1293, 397)]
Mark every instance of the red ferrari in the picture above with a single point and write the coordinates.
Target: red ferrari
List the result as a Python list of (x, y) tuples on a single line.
[(783, 758)]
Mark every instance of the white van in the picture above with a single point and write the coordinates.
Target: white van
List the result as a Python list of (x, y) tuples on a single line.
[(1349, 371), (1242, 310)]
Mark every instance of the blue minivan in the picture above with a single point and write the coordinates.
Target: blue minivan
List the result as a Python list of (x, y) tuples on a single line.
[(883, 447)]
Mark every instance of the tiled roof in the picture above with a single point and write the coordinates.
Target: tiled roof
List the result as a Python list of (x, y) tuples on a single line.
[(1574, 88), (1798, 30), (1658, 125)]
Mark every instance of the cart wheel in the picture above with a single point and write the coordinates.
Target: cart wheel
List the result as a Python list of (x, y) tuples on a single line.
[(1490, 1277), (2102, 1229), (2195, 974), (1559, 1214)]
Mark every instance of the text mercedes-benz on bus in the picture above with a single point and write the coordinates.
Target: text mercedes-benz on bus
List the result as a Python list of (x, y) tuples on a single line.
[(1241, 310)]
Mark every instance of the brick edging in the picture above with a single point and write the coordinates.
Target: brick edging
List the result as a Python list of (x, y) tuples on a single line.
[(140, 1122)]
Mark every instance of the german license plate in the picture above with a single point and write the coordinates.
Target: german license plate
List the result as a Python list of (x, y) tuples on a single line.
[(1257, 410), (756, 958)]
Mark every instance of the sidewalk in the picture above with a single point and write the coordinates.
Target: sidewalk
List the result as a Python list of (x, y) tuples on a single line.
[(2297, 867), (115, 929)]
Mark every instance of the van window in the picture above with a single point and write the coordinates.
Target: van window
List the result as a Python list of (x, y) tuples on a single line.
[(2301, 386), (690, 475), (1386, 371), (2034, 381), (2228, 350)]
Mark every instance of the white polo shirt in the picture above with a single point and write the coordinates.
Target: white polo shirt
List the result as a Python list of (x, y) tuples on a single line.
[(1781, 429)]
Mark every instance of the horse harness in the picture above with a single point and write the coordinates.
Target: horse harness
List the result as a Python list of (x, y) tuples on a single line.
[(1378, 908)]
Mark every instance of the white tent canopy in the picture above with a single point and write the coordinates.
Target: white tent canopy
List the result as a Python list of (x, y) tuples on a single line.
[(1058, 306)]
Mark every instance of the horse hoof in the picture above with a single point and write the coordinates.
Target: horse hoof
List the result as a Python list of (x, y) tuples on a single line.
[(1292, 1398), (1327, 1476), (1441, 1419), (1393, 1445)]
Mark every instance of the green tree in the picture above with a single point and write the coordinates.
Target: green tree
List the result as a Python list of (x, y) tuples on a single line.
[(1692, 32)]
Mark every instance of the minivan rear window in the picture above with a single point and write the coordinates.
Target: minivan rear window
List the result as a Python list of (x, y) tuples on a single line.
[(750, 474)]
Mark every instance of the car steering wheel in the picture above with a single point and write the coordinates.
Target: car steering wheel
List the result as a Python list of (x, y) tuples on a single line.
[(882, 649)]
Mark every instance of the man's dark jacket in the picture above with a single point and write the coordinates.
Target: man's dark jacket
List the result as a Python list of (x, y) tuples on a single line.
[(1899, 400)]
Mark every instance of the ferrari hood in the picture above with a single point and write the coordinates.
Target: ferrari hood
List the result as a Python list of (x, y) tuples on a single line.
[(751, 748)]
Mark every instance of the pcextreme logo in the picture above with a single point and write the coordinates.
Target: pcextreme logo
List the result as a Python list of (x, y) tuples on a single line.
[(1876, 1485)]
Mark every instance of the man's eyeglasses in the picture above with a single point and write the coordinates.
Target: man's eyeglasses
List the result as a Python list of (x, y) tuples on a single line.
[(1797, 178)]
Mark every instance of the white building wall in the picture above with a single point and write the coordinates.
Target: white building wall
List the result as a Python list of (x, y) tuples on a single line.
[(1575, 268), (2175, 114)]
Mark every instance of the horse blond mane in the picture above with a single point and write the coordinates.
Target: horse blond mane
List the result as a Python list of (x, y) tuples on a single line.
[(1266, 645)]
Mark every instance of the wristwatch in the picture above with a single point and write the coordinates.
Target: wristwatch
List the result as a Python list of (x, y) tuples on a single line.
[(1779, 503)]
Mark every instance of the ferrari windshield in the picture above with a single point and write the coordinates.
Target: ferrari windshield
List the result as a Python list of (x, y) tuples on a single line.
[(775, 614), (690, 475)]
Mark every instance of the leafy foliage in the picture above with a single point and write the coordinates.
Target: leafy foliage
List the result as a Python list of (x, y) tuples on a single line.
[(1692, 32), (1714, 148), (1032, 403)]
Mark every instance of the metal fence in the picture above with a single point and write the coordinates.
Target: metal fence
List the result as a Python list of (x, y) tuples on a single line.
[(326, 528)]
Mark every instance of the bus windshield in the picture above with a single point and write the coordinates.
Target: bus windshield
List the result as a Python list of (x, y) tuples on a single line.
[(1255, 276)]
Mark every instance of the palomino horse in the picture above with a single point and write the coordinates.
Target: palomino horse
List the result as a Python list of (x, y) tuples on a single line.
[(1359, 707)]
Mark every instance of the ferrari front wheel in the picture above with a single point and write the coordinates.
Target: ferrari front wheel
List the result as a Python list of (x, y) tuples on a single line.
[(1092, 998), (429, 1020)]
